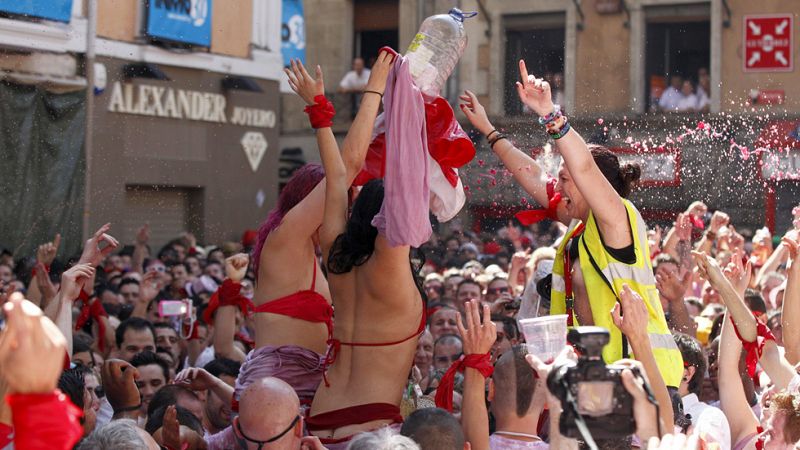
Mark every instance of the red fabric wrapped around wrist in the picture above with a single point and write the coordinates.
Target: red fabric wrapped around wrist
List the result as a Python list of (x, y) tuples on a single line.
[(44, 421), (444, 393), (94, 309), (754, 349), (33, 271), (531, 216), (321, 113), (228, 294), (192, 334)]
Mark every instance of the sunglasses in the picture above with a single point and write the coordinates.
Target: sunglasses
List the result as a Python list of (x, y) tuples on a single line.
[(500, 290)]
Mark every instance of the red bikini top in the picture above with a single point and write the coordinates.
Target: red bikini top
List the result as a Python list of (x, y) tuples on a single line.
[(334, 345), (306, 305)]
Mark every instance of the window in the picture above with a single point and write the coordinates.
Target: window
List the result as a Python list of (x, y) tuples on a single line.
[(376, 24), (678, 56), (539, 40)]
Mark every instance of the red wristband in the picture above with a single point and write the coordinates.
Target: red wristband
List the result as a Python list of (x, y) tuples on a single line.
[(44, 421), (444, 393), (321, 113)]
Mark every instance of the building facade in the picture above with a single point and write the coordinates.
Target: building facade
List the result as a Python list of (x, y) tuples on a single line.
[(611, 61), (183, 121)]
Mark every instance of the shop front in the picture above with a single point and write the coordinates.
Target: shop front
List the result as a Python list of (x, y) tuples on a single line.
[(183, 150)]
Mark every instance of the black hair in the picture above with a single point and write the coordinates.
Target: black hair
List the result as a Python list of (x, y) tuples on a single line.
[(147, 358), (693, 355), (185, 418), (468, 281), (355, 246), (168, 395), (127, 281), (223, 366), (755, 301), (134, 323), (509, 325), (73, 385), (434, 429), (622, 177), (81, 342), (162, 324)]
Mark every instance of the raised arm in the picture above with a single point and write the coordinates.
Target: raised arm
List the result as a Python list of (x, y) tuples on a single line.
[(478, 338), (603, 200), (634, 326), (527, 172), (791, 302), (731, 287), (733, 401), (225, 317)]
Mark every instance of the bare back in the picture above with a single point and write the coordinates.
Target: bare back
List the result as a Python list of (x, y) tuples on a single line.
[(287, 267), (376, 302)]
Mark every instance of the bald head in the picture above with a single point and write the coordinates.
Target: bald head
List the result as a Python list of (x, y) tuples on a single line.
[(514, 384), (266, 409)]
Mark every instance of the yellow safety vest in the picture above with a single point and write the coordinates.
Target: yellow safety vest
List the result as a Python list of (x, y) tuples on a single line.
[(639, 276)]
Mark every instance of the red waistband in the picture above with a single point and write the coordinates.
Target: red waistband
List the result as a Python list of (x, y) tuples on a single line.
[(353, 415)]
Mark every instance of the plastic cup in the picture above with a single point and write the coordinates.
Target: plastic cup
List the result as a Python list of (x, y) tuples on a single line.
[(545, 336)]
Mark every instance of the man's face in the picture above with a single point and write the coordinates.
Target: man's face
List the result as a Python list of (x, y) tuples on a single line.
[(496, 289), (91, 403), (469, 291), (151, 379), (676, 81), (217, 411), (433, 289), (168, 338), (503, 342), (179, 276), (451, 285), (358, 65), (194, 266), (443, 322), (423, 358), (89, 359), (6, 275), (136, 341), (130, 293), (445, 354), (214, 271)]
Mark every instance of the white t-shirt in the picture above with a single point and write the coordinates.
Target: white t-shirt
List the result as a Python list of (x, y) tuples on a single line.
[(498, 442), (669, 99), (688, 103), (708, 422), (352, 80)]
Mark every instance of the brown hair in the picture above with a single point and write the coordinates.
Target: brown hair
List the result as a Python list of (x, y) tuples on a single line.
[(622, 178), (787, 404)]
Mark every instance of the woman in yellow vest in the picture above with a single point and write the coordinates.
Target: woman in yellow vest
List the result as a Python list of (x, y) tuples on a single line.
[(606, 243)]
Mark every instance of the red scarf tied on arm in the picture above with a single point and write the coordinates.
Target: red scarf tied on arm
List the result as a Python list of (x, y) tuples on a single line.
[(444, 393), (44, 421), (92, 308), (321, 113), (531, 216), (754, 349), (227, 295)]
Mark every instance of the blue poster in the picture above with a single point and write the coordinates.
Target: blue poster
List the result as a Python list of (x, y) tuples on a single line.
[(187, 21), (58, 10), (293, 32)]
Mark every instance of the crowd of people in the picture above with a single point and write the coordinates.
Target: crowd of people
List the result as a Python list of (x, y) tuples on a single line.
[(346, 321)]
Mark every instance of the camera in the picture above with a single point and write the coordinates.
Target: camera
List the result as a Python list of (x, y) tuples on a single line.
[(592, 391)]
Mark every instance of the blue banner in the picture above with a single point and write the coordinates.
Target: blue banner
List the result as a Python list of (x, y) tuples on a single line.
[(58, 10), (187, 21), (293, 32)]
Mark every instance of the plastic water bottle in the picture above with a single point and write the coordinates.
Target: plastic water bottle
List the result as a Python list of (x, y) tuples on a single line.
[(436, 49)]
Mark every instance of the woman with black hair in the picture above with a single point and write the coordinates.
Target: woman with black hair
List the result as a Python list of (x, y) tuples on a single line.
[(606, 244), (374, 285)]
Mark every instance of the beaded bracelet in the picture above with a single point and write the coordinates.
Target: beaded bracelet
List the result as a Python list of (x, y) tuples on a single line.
[(552, 116), (562, 132)]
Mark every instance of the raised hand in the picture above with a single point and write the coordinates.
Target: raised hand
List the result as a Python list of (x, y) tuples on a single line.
[(380, 72), (477, 337), (171, 428), (74, 279), (475, 112), (677, 441), (119, 383), (46, 286), (738, 273), (46, 252), (143, 235), (709, 269), (94, 252), (149, 287), (196, 379), (683, 227), (303, 84), (534, 92), (32, 349), (634, 323), (673, 286), (236, 267), (718, 220), (696, 209)]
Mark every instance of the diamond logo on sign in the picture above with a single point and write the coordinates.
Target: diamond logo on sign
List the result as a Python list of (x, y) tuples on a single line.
[(255, 145), (768, 43)]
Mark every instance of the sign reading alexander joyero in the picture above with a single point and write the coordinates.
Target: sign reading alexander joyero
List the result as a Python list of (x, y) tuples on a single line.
[(167, 102)]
